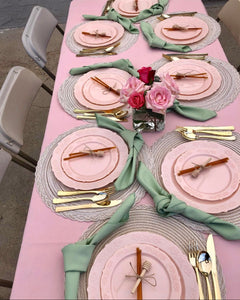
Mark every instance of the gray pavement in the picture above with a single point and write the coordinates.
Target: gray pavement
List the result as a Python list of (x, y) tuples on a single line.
[(16, 187)]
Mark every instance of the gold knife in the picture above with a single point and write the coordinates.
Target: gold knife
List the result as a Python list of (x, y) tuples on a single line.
[(211, 251), (105, 204)]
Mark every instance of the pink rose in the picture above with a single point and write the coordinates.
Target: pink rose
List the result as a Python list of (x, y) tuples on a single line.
[(170, 83), (146, 74), (133, 84), (136, 100), (159, 98)]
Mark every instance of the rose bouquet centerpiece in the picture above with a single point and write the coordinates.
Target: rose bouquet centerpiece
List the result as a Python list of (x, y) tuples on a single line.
[(149, 96)]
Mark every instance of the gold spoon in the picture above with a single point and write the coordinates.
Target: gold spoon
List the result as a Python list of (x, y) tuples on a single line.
[(205, 267)]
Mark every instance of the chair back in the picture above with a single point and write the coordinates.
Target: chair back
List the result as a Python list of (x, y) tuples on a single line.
[(5, 159), (37, 33), (230, 16), (16, 96)]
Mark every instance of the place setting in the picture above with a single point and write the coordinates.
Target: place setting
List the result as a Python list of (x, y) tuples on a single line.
[(132, 8), (85, 173), (99, 38), (160, 250), (203, 173), (203, 81), (97, 91), (182, 31)]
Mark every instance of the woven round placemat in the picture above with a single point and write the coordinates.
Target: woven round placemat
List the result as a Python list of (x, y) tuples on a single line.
[(145, 218), (226, 94), (48, 185), (126, 42), (173, 139), (213, 32), (67, 99)]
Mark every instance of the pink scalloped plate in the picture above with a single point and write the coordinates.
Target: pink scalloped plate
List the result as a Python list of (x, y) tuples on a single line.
[(110, 28), (182, 37), (89, 172), (214, 183), (127, 7), (93, 95), (193, 88), (115, 284), (174, 276), (88, 168), (214, 177)]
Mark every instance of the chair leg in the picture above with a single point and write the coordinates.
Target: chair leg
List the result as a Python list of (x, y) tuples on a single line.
[(27, 157), (49, 73), (46, 88), (60, 29), (6, 283), (23, 164)]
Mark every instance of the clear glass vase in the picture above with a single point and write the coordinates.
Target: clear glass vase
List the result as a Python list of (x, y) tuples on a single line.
[(145, 120)]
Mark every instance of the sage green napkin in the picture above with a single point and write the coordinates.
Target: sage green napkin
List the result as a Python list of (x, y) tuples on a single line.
[(77, 256), (155, 9), (191, 112), (168, 205), (123, 64), (155, 42), (135, 143), (115, 16)]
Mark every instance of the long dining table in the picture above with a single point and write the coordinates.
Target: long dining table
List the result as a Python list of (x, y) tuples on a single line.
[(40, 268)]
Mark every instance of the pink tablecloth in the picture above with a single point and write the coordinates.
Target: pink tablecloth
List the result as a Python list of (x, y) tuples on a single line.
[(39, 273)]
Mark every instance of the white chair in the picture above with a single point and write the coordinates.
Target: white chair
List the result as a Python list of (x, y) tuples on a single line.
[(230, 16), (37, 34), (16, 96)]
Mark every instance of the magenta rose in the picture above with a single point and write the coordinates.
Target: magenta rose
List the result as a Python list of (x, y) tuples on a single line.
[(132, 85), (159, 98), (146, 74), (170, 83), (136, 100)]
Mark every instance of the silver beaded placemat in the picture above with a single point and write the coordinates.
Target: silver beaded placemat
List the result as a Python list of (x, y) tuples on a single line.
[(145, 218), (173, 139), (48, 185), (214, 30), (226, 94), (126, 42)]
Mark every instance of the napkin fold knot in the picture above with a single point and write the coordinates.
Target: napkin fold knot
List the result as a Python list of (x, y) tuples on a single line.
[(168, 205), (113, 15), (155, 42)]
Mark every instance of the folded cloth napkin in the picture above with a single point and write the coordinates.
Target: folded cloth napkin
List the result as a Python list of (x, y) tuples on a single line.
[(115, 16), (155, 42), (135, 143), (123, 64), (168, 205), (77, 256), (191, 112), (155, 9)]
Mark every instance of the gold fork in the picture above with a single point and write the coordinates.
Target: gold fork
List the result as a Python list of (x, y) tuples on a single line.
[(109, 190), (190, 135), (192, 257)]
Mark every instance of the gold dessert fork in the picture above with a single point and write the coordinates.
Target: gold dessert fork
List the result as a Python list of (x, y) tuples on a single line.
[(192, 257), (109, 190)]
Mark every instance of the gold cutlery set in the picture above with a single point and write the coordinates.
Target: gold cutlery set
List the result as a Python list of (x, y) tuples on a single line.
[(107, 50), (177, 56), (117, 115), (100, 199), (167, 16), (204, 263), (107, 7), (198, 132)]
